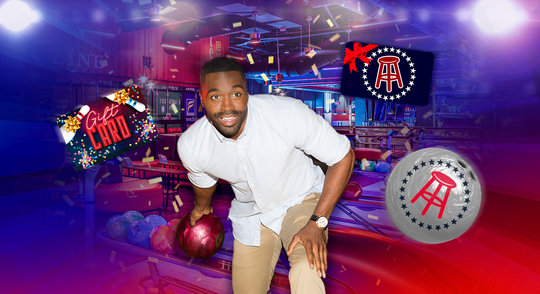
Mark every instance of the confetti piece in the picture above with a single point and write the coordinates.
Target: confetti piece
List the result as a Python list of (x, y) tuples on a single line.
[(311, 53), (103, 63), (179, 200), (149, 203), (172, 2), (105, 175), (343, 267), (337, 17), (128, 83), (173, 69), (174, 56), (122, 266), (119, 158), (316, 18), (265, 77), (397, 27), (319, 75), (111, 72), (174, 77), (155, 180), (166, 148), (334, 37), (141, 185), (427, 114), (250, 58), (175, 207), (190, 261), (152, 259), (270, 89), (148, 152), (373, 217), (112, 256), (148, 159), (270, 59), (386, 154), (315, 70), (177, 185), (381, 10), (408, 146), (174, 108), (237, 24), (68, 200), (330, 23), (378, 281), (404, 131), (59, 183), (357, 192)]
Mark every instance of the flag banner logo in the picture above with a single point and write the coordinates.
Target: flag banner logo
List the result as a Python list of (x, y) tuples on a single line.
[(433, 195), (107, 127), (387, 73)]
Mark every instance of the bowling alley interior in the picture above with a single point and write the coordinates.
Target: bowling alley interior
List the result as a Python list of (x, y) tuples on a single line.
[(97, 210)]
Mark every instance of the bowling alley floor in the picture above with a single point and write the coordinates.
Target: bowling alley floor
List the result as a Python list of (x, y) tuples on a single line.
[(42, 250)]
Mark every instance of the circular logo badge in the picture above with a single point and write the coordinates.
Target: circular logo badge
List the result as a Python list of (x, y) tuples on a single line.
[(433, 195)]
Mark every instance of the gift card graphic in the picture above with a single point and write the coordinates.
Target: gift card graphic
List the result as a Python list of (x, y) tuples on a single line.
[(107, 128), (386, 73)]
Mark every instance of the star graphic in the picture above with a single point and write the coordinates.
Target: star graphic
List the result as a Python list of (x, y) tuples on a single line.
[(454, 221), (364, 77), (366, 64), (408, 88), (385, 98), (403, 93), (398, 51), (448, 164), (401, 197), (423, 163), (379, 96), (432, 162), (411, 64), (402, 189), (366, 83), (403, 54), (465, 183), (415, 167), (421, 224), (464, 208), (461, 176), (379, 51), (404, 181), (437, 227), (408, 59), (391, 97), (413, 219), (369, 88), (385, 49), (409, 173), (467, 200), (429, 227), (440, 162), (413, 77), (373, 54), (403, 206), (413, 70), (392, 49), (460, 215), (398, 96), (407, 213), (455, 169), (364, 70), (446, 226), (411, 83), (373, 93)]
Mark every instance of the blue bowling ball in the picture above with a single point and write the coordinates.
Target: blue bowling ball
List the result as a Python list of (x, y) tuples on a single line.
[(139, 233), (132, 216), (155, 220), (117, 227), (382, 167)]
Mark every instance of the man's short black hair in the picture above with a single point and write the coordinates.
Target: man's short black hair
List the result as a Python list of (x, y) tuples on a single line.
[(221, 64)]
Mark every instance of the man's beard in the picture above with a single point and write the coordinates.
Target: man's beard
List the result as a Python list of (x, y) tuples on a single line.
[(228, 132)]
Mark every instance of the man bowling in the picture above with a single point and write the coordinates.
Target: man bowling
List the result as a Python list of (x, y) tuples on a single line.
[(260, 145)]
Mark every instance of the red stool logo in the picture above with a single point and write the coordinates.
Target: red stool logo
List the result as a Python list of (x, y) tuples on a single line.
[(388, 72), (432, 198)]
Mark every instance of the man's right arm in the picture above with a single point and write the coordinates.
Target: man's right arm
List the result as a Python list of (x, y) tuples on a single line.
[(203, 202)]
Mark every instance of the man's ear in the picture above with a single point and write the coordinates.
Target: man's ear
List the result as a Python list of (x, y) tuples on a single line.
[(201, 99)]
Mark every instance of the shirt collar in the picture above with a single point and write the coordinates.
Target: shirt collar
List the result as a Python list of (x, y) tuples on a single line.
[(245, 131)]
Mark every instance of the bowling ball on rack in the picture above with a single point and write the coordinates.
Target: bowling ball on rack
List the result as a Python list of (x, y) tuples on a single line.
[(353, 191), (368, 166), (132, 216), (173, 223), (203, 239), (117, 227), (139, 233), (382, 167), (162, 239), (155, 220)]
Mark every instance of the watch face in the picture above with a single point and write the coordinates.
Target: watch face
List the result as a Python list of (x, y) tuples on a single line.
[(322, 222)]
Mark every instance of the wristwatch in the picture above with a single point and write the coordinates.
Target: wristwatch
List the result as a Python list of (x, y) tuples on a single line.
[(321, 221)]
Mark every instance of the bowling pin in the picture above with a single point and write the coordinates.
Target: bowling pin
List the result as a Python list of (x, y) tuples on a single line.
[(68, 136), (137, 105)]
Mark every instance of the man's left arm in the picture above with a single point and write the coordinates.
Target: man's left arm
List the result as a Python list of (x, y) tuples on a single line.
[(311, 236)]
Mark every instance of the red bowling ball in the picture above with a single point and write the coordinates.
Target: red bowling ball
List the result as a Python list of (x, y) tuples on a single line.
[(162, 239), (203, 239)]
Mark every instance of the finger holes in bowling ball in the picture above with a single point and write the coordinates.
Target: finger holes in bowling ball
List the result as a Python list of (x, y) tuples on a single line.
[(471, 174), (462, 164)]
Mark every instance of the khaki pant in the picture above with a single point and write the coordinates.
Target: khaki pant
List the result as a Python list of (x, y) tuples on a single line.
[(253, 266)]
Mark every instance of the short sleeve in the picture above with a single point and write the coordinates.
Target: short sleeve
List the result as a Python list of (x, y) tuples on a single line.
[(195, 173), (315, 136)]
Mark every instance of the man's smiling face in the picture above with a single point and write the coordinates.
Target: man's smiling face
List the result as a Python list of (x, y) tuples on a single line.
[(225, 100)]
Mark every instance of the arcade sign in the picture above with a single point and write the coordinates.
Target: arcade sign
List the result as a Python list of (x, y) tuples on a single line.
[(107, 128)]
